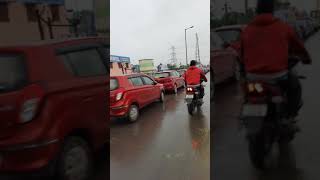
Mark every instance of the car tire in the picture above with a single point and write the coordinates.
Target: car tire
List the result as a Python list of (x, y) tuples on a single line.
[(237, 71), (175, 90), (212, 86), (133, 113), (161, 97), (75, 161)]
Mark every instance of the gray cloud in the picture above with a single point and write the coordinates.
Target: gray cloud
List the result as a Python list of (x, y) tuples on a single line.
[(147, 28)]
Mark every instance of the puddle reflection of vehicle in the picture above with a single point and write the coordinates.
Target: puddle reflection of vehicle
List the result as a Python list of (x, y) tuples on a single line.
[(200, 133)]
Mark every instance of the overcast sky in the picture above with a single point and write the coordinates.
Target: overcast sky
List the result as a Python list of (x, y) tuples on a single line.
[(148, 28), (238, 5)]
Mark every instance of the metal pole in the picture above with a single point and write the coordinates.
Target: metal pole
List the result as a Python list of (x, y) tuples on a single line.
[(185, 36)]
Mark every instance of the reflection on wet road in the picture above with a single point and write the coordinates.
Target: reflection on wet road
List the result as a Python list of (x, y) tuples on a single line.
[(165, 143), (299, 162)]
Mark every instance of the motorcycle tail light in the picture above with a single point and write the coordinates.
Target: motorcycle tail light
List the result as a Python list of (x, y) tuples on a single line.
[(255, 87), (189, 89)]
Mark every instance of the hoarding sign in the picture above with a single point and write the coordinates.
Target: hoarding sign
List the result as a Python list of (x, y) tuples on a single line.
[(121, 59), (146, 65)]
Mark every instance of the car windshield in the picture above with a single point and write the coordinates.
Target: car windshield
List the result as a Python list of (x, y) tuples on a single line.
[(113, 84), (12, 72), (162, 75), (229, 35)]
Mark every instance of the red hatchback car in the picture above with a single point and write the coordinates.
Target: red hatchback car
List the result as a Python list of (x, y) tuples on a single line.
[(52, 106), (171, 80), (130, 93)]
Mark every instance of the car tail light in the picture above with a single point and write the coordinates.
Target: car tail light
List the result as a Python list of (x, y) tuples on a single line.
[(30, 102), (119, 94)]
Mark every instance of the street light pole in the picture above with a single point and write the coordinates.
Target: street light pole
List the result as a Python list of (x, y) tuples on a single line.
[(185, 38)]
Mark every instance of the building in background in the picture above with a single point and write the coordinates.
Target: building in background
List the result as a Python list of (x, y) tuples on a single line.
[(102, 14), (32, 20), (146, 65), (19, 21), (120, 65)]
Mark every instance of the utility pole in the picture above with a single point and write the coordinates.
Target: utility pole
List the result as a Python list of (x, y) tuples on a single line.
[(246, 6), (197, 49), (173, 59), (185, 40), (226, 8)]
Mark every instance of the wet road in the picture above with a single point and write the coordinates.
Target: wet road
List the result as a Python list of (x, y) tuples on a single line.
[(230, 158), (166, 143)]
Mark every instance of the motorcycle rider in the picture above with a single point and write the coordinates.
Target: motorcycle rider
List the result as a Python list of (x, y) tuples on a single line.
[(194, 75), (266, 44)]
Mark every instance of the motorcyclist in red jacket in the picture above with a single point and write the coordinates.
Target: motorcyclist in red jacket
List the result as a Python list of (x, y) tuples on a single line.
[(266, 44), (194, 75)]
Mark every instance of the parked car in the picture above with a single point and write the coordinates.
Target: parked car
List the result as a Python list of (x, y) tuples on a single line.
[(52, 106), (224, 61), (130, 93), (171, 80), (182, 71)]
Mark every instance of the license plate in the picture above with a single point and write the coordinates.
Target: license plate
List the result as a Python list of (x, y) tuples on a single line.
[(254, 110), (189, 96)]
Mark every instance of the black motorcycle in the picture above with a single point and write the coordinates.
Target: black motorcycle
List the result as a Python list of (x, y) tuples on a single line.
[(265, 117), (193, 97)]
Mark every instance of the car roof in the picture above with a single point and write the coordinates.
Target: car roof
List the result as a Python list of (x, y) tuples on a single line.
[(166, 71), (129, 75), (238, 26), (68, 41)]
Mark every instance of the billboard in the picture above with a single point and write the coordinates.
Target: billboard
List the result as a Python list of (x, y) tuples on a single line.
[(121, 59), (146, 65)]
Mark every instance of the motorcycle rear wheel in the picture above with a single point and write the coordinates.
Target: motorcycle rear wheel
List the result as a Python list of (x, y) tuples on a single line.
[(257, 151), (190, 108)]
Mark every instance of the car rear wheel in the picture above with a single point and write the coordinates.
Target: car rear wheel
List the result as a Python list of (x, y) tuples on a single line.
[(237, 71), (133, 113), (175, 90), (75, 161), (162, 96)]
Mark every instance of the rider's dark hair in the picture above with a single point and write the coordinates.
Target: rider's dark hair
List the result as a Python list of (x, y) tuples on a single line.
[(193, 63), (265, 6)]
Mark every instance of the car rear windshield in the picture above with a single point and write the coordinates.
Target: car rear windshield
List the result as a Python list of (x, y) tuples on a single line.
[(161, 75), (114, 84), (12, 72)]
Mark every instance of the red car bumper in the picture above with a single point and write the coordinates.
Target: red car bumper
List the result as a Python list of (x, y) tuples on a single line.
[(28, 157), (119, 109), (168, 86)]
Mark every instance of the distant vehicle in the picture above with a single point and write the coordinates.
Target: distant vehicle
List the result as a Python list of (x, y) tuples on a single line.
[(224, 61), (231, 35), (52, 106), (171, 80), (182, 71), (130, 93)]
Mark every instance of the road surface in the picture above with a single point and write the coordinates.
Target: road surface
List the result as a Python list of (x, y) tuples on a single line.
[(229, 152)]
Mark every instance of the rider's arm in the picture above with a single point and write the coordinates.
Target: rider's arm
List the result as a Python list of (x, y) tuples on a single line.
[(203, 76), (297, 47)]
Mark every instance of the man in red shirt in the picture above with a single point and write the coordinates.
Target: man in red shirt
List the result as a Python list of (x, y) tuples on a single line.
[(194, 75), (265, 47)]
